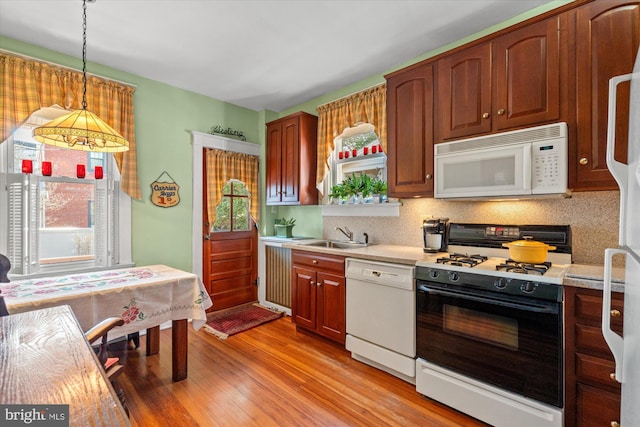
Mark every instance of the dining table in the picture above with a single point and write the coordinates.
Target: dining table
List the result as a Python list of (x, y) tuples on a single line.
[(145, 297), (50, 375)]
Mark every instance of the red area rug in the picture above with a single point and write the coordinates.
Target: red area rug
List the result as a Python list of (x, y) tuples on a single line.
[(238, 319)]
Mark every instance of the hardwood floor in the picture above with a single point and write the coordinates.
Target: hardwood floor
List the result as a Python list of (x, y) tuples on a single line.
[(271, 375)]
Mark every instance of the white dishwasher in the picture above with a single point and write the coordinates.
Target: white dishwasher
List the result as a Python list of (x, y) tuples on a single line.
[(381, 316)]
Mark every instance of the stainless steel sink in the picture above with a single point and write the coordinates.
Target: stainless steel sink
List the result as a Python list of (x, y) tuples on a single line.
[(337, 244)]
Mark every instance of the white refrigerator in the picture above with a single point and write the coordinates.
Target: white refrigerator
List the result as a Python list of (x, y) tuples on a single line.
[(626, 350)]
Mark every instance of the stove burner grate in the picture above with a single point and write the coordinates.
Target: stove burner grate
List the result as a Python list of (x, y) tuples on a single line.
[(462, 260), (512, 266)]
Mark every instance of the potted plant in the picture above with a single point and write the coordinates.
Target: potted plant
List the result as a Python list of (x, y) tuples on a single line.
[(379, 190), (284, 227), (352, 188), (338, 194)]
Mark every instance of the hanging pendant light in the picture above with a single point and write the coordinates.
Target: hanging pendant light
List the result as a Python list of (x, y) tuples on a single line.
[(82, 129)]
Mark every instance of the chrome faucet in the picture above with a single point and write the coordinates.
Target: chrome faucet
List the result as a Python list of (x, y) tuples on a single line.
[(346, 232)]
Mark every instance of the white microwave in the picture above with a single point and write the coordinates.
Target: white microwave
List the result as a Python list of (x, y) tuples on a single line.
[(525, 162)]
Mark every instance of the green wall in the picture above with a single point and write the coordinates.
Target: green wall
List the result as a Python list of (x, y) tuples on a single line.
[(164, 115)]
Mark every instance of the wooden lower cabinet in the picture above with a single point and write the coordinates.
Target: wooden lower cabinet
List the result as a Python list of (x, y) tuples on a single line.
[(592, 395), (318, 294)]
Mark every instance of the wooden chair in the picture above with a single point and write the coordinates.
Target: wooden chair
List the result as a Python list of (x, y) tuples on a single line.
[(111, 366)]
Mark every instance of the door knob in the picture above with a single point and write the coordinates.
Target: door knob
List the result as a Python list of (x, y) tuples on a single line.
[(615, 313), (501, 111), (428, 176), (485, 115), (583, 161)]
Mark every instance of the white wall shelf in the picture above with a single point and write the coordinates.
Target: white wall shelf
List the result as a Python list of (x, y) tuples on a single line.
[(368, 209)]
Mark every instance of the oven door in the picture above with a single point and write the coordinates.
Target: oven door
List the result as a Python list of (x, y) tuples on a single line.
[(514, 343)]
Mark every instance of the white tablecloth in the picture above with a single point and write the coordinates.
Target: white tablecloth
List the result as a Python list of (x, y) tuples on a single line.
[(143, 296)]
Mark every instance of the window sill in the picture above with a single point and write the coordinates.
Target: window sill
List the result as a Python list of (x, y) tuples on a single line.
[(369, 209)]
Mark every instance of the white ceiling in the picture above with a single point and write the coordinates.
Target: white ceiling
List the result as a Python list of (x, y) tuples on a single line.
[(259, 54)]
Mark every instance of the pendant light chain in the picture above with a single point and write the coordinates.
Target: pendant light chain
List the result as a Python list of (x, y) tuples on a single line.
[(84, 54)]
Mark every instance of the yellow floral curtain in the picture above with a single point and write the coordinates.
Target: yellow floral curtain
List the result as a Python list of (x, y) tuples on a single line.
[(368, 106), (27, 85), (221, 166)]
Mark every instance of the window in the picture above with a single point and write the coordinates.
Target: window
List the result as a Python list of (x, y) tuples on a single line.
[(60, 223), (232, 213)]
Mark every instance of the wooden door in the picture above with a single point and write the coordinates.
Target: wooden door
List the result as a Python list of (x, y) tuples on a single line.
[(273, 186), (526, 70), (410, 132), (607, 39), (290, 160), (303, 294), (331, 303), (464, 93), (230, 249)]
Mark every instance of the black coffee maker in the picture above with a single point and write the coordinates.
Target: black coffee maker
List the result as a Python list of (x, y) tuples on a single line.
[(435, 232)]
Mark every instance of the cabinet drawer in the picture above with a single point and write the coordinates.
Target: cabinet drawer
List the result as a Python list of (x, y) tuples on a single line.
[(319, 261), (595, 369), (588, 306), (590, 338), (595, 407)]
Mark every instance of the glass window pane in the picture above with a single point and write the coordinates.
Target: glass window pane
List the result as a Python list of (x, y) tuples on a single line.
[(239, 189), (223, 215), (66, 222), (240, 214)]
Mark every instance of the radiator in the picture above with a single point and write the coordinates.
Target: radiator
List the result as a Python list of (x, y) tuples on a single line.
[(278, 272)]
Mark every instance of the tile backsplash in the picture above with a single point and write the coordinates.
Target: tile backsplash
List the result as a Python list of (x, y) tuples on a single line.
[(593, 217)]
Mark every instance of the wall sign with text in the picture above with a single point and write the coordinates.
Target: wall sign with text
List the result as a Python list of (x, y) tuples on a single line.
[(165, 193)]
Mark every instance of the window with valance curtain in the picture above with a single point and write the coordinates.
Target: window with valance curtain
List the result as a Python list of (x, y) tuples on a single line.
[(26, 85), (223, 166), (367, 106)]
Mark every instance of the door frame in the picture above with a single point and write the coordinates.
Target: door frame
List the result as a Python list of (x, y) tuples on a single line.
[(201, 140)]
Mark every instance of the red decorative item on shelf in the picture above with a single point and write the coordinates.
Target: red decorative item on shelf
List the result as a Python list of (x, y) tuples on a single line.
[(379, 148), (97, 172), (365, 150), (354, 152), (341, 155), (374, 149), (27, 166), (80, 172), (346, 154), (46, 168)]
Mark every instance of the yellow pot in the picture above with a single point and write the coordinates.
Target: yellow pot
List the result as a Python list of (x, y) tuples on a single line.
[(528, 251)]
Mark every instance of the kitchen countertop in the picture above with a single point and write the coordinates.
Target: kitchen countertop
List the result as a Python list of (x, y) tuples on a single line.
[(579, 275)]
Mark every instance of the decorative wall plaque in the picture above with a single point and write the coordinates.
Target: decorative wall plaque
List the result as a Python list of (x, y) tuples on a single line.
[(165, 193)]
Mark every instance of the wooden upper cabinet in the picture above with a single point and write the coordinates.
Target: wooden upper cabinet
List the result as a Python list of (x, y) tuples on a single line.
[(291, 160), (464, 93), (509, 82), (607, 37), (527, 76), (410, 132)]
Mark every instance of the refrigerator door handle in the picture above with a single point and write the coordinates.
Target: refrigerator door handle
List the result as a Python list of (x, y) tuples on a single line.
[(614, 341), (618, 169)]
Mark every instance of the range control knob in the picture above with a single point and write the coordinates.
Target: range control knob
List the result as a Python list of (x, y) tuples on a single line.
[(501, 283), (528, 287), (454, 276), (434, 274)]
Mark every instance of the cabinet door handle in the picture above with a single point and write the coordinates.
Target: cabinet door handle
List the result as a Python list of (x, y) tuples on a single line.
[(315, 261), (612, 375), (311, 282), (583, 161), (501, 111), (615, 313), (486, 115), (615, 424), (428, 176), (318, 283)]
